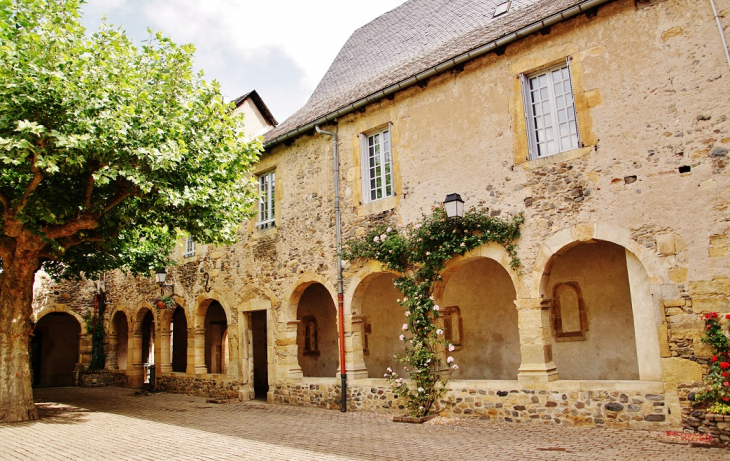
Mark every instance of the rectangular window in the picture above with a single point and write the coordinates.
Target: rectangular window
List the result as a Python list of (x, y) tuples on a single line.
[(377, 165), (267, 200), (550, 112), (189, 248)]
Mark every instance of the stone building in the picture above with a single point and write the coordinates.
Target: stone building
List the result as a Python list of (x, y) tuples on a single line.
[(604, 121)]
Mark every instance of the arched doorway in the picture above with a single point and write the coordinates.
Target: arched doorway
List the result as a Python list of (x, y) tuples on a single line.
[(55, 350), (479, 317), (591, 312), (179, 340), (119, 341), (216, 339), (148, 344), (317, 348), (381, 325)]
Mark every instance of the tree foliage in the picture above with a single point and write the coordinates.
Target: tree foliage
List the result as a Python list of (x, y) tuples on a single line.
[(108, 149)]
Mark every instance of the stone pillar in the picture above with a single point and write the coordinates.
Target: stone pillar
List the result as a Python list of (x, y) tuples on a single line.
[(111, 354), (292, 350), (199, 340), (190, 367), (356, 368), (165, 359), (136, 376), (535, 345)]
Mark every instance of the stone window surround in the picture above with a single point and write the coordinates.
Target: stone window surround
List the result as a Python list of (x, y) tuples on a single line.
[(263, 166), (584, 100), (270, 204), (365, 165)]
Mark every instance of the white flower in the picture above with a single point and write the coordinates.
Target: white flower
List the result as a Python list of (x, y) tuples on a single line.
[(388, 229), (408, 313), (385, 375), (383, 236), (405, 299), (417, 226), (428, 361), (455, 366), (398, 384), (450, 359), (402, 337), (390, 370), (439, 331), (451, 348), (436, 307), (420, 389), (462, 244), (397, 300), (405, 326), (376, 238)]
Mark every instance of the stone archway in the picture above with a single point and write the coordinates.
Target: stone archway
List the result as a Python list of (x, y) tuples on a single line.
[(143, 345), (378, 322), (179, 340), (644, 275), (118, 356), (478, 316), (55, 350), (317, 338)]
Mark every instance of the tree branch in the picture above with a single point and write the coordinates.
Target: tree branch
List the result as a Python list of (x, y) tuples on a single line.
[(89, 190), (82, 222), (117, 199), (5, 200), (37, 178)]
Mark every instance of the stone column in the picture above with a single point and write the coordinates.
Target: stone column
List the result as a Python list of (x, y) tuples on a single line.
[(165, 359), (136, 376), (535, 345), (190, 365), (111, 355), (292, 350), (356, 368), (199, 340)]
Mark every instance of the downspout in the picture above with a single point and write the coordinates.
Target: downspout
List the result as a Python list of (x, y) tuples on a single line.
[(338, 239), (722, 35)]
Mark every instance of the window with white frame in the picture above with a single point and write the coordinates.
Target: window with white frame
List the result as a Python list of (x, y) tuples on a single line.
[(189, 248), (377, 165), (550, 111), (267, 200)]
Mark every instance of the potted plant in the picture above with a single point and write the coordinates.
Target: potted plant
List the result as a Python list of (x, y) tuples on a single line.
[(164, 302)]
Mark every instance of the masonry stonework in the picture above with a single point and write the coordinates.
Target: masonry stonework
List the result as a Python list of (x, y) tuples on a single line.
[(650, 182)]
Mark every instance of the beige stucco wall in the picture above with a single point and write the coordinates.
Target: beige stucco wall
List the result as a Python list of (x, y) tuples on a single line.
[(483, 291), (609, 349), (385, 318), (652, 93)]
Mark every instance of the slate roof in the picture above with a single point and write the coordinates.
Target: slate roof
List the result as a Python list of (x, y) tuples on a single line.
[(411, 39)]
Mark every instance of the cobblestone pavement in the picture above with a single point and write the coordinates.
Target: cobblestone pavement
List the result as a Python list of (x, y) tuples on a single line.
[(113, 423)]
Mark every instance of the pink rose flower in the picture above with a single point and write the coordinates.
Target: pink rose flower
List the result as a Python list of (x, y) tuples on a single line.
[(450, 359)]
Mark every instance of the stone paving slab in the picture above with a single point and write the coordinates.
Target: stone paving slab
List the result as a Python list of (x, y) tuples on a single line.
[(113, 423)]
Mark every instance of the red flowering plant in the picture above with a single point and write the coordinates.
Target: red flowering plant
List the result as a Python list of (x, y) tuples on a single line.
[(717, 380)]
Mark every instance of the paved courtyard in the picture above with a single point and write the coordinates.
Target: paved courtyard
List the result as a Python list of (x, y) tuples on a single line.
[(112, 423)]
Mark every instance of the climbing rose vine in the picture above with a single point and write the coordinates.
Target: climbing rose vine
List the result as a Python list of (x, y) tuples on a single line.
[(717, 381), (419, 253)]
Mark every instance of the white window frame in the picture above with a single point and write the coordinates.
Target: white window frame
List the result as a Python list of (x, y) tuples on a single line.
[(377, 179), (267, 200), (544, 138), (189, 248)]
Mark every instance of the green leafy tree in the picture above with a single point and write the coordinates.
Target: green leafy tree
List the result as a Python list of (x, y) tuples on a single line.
[(107, 150)]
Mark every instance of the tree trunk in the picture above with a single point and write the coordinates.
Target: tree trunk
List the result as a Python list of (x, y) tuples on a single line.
[(16, 298)]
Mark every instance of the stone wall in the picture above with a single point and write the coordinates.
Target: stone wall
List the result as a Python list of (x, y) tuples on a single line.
[(632, 408), (96, 379), (203, 387), (118, 378)]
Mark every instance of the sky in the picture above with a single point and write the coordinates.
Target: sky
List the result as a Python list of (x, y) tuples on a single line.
[(280, 48)]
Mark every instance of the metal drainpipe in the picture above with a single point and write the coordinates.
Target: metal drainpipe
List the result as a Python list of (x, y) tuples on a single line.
[(338, 239), (722, 35)]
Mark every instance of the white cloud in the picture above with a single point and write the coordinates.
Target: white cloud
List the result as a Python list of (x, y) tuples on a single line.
[(281, 48)]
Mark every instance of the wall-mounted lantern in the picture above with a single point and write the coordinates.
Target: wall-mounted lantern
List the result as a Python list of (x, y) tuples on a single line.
[(454, 206)]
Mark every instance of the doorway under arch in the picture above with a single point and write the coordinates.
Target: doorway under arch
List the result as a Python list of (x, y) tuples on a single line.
[(55, 350), (317, 348), (591, 312), (179, 340), (479, 317)]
